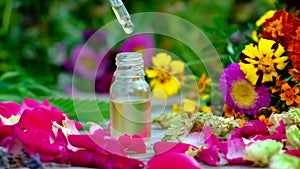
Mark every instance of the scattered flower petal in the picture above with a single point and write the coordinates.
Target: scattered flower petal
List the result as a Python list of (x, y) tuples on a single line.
[(173, 160)]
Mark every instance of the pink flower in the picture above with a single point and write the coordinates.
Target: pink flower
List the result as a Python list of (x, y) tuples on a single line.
[(140, 43)]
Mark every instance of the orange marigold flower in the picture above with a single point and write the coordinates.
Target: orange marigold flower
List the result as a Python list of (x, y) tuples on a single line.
[(295, 73), (228, 111), (202, 83), (265, 120), (242, 122), (274, 27), (278, 85), (290, 95)]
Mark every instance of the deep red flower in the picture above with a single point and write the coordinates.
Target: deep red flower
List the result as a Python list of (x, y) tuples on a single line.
[(295, 58), (276, 28), (293, 45)]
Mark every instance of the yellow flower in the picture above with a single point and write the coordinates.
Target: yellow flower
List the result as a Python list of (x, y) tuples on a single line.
[(205, 108), (163, 81), (261, 63), (188, 106), (260, 21)]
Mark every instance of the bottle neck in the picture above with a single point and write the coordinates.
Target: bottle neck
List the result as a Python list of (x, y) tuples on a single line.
[(129, 65)]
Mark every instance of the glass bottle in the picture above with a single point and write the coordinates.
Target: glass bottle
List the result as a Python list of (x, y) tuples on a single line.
[(130, 108)]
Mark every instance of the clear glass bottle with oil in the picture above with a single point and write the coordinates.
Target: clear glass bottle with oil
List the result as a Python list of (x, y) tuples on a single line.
[(130, 108)]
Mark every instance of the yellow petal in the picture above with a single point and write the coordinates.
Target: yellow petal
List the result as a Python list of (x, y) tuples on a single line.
[(279, 51), (176, 108), (159, 94), (251, 51), (281, 64), (161, 61), (166, 89), (151, 72), (176, 66), (264, 17), (252, 61), (189, 105), (254, 35), (171, 87), (153, 82), (267, 78), (250, 73), (265, 46)]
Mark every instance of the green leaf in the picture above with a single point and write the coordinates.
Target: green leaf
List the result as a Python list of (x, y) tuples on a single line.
[(231, 29), (11, 97), (82, 110), (219, 22), (9, 75)]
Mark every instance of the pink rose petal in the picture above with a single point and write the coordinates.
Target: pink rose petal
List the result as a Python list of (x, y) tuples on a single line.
[(5, 131), (173, 160), (133, 143), (39, 141), (234, 151), (115, 161), (212, 140), (279, 135), (8, 109), (251, 128), (209, 155), (85, 158), (163, 147), (85, 141), (295, 153)]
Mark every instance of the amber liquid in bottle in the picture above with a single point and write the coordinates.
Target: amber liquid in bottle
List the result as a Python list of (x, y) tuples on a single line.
[(131, 117)]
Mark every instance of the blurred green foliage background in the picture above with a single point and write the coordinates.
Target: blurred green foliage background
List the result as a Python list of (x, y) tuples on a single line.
[(31, 30)]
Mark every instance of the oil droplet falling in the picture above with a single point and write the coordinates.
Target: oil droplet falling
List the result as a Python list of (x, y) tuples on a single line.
[(123, 17), (128, 27)]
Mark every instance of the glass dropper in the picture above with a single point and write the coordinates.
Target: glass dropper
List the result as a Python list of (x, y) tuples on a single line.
[(122, 15)]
